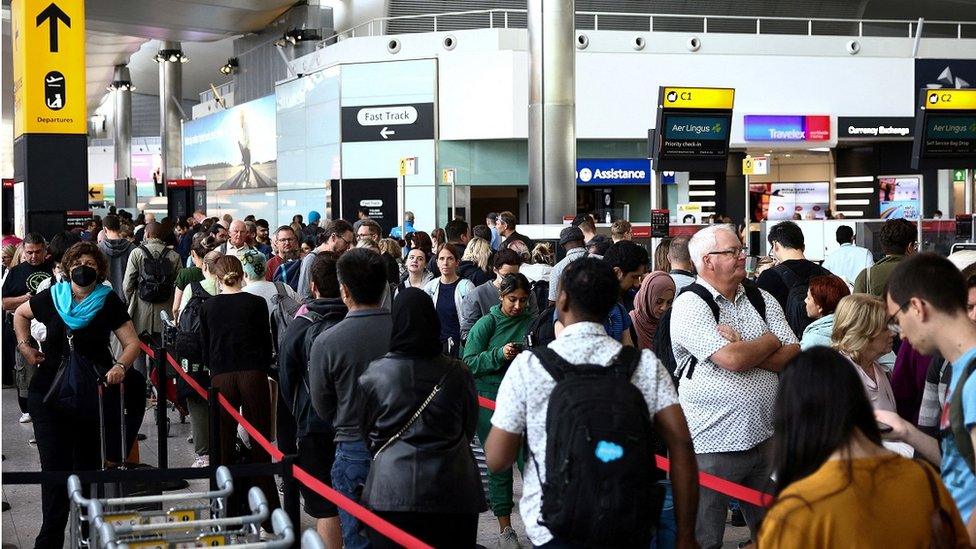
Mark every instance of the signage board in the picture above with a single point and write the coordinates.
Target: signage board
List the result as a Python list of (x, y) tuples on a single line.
[(758, 165), (964, 227), (660, 223), (379, 196), (698, 98), (400, 122), (408, 166), (875, 127), (898, 196), (958, 176), (693, 128), (448, 175), (945, 129), (96, 192), (763, 127), (689, 213), (49, 67), (613, 171), (77, 218)]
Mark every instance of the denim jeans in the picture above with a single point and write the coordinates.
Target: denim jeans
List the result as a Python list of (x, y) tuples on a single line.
[(349, 474), (667, 528)]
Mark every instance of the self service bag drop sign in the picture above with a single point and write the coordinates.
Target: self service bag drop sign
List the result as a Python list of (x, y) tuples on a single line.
[(693, 127), (945, 129)]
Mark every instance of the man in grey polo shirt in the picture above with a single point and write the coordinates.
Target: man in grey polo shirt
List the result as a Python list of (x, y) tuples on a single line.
[(728, 398), (571, 239)]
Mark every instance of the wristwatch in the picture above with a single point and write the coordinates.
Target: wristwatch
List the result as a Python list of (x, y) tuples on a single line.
[(117, 363)]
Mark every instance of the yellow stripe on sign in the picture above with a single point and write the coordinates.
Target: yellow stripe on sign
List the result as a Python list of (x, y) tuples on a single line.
[(698, 98), (955, 100)]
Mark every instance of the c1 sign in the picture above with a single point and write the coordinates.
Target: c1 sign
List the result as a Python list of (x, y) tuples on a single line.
[(761, 127), (613, 171)]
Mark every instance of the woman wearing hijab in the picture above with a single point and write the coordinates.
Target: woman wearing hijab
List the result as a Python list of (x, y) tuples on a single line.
[(86, 311), (420, 412), (653, 299)]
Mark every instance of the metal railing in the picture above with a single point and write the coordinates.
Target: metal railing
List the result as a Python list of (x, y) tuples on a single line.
[(223, 89), (651, 22)]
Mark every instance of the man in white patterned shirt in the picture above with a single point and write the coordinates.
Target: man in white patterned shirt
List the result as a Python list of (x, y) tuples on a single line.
[(729, 397), (588, 290)]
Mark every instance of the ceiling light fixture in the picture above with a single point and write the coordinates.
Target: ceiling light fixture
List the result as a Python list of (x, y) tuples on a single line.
[(171, 56), (230, 67)]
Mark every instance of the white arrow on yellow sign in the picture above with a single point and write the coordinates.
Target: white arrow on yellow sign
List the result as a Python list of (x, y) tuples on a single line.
[(49, 66)]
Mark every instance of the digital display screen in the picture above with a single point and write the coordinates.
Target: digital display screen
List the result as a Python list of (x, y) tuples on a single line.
[(689, 135), (949, 136)]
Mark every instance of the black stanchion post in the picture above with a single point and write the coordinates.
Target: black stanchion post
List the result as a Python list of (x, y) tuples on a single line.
[(291, 501), (162, 432), (214, 418)]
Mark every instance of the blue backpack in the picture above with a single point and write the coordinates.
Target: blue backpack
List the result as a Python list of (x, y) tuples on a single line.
[(289, 272)]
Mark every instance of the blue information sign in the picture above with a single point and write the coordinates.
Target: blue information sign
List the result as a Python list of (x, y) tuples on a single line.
[(613, 171)]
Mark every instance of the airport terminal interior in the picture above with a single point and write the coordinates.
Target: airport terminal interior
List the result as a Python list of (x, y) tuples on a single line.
[(488, 273)]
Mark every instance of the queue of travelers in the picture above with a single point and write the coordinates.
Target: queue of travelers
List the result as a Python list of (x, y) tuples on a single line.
[(380, 349)]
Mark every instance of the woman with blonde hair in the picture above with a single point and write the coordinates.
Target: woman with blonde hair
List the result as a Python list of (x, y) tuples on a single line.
[(474, 262), (541, 265), (237, 348), (861, 334)]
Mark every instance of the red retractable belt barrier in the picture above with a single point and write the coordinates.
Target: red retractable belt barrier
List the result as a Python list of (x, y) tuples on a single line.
[(742, 493)]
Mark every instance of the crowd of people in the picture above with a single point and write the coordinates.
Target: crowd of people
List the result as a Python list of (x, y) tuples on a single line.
[(365, 355)]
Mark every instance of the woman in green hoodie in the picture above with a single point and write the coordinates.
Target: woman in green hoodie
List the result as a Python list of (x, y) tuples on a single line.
[(492, 344)]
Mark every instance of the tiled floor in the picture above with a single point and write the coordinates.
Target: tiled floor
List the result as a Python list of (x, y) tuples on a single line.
[(21, 524)]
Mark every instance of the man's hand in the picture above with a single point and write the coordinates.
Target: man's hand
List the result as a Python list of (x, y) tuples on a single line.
[(510, 351), (729, 333), (115, 375)]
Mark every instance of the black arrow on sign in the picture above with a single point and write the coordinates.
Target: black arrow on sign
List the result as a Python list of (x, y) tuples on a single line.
[(92, 194), (52, 14)]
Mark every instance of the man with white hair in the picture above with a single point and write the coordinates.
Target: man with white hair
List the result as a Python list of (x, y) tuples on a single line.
[(237, 239), (729, 340)]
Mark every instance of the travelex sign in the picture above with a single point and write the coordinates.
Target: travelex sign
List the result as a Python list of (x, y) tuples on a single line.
[(613, 171), (786, 128)]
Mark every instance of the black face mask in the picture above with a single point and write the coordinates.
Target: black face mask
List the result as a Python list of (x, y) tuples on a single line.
[(84, 276)]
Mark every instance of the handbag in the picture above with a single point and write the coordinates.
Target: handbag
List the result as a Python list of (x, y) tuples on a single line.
[(943, 530), (75, 386), (416, 415)]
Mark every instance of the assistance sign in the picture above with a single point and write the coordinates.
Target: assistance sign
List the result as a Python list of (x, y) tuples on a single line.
[(698, 98), (49, 66)]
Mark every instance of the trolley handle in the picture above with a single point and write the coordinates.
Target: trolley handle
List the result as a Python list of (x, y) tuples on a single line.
[(255, 497)]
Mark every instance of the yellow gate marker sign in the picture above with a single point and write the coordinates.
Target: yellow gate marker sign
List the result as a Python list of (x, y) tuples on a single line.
[(698, 98), (96, 192), (956, 100), (49, 66)]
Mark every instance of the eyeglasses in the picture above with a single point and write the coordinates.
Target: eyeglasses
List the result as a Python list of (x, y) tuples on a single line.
[(286, 240), (732, 252), (892, 321), (349, 244)]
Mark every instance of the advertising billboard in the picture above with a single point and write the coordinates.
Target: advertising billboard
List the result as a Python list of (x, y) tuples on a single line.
[(780, 201), (898, 197), (234, 149), (762, 127)]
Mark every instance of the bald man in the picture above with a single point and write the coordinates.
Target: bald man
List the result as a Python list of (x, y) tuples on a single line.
[(236, 240)]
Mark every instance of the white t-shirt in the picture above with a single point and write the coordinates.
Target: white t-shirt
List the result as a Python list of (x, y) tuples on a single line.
[(523, 399)]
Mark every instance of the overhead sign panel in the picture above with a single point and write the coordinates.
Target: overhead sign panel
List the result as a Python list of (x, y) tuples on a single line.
[(761, 127), (698, 98), (875, 127), (613, 171), (945, 130), (692, 131), (388, 122), (49, 66)]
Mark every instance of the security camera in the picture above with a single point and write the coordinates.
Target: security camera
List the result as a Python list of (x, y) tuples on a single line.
[(449, 42), (853, 47), (393, 46), (639, 43), (582, 41), (694, 44)]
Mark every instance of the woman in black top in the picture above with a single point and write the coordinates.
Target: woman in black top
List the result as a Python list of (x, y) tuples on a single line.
[(426, 480), (69, 441), (236, 330)]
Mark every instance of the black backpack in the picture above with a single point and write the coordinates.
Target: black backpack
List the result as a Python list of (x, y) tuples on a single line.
[(795, 308), (601, 485), (957, 423), (542, 330), (156, 277), (283, 309), (540, 289), (662, 337), (189, 341), (301, 405)]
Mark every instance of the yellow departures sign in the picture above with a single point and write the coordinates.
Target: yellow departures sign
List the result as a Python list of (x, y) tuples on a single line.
[(950, 100), (49, 66), (698, 98)]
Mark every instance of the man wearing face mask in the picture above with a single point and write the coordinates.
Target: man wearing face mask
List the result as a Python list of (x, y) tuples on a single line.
[(20, 284)]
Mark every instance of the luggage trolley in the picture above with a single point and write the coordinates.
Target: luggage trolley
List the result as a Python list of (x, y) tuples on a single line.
[(238, 532), (176, 507)]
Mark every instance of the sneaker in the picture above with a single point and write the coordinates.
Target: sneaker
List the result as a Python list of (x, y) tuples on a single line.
[(25, 418), (508, 539), (201, 461)]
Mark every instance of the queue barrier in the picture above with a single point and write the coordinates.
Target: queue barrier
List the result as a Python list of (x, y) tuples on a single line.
[(285, 465)]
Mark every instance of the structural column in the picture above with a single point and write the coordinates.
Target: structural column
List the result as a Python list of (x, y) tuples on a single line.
[(170, 59), (122, 121), (552, 110)]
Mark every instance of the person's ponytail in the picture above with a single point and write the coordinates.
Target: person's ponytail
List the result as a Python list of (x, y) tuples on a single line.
[(229, 270)]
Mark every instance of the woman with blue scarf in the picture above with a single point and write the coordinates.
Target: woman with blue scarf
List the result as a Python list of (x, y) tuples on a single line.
[(90, 311)]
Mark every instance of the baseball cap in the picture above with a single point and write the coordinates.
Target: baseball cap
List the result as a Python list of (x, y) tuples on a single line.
[(570, 234)]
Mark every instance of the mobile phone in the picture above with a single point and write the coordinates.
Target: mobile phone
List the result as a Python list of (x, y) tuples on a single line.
[(519, 347), (884, 427)]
